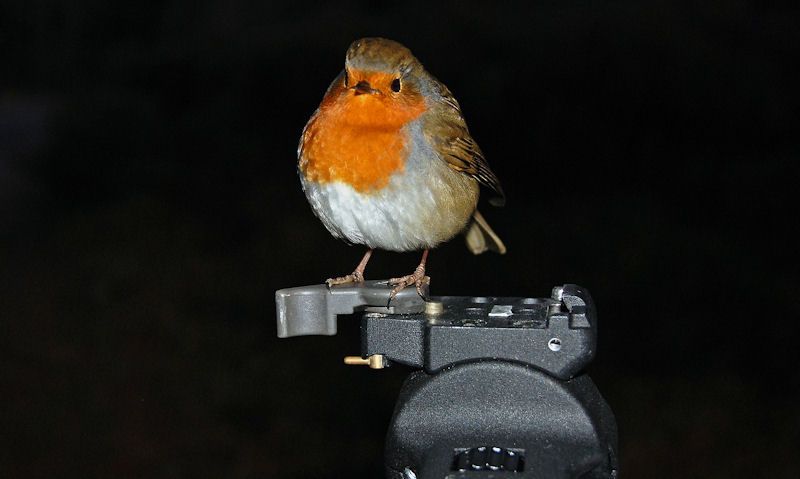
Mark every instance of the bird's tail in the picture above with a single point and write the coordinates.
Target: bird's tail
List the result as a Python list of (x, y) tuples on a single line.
[(480, 237)]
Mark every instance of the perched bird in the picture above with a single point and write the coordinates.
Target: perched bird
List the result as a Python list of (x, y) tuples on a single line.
[(387, 161)]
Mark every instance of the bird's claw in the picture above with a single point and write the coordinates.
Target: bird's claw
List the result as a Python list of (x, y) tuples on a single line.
[(417, 278), (354, 277)]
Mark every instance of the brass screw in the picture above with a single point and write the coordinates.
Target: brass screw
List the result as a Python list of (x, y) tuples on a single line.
[(376, 361), (434, 307)]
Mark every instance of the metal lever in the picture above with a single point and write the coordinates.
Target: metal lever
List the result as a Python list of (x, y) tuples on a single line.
[(312, 310)]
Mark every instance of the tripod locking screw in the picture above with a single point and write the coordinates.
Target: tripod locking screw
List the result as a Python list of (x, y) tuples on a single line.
[(376, 361)]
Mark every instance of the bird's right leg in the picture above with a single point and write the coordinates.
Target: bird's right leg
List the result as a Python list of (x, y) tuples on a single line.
[(356, 276)]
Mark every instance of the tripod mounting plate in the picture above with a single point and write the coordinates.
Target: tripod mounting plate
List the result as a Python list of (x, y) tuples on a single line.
[(557, 335)]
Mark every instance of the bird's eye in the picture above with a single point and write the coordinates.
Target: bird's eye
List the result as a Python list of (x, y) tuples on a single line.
[(396, 85)]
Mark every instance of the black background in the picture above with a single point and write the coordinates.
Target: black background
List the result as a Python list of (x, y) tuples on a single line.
[(150, 207)]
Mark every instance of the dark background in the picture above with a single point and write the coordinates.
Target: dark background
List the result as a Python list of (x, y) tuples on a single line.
[(149, 208)]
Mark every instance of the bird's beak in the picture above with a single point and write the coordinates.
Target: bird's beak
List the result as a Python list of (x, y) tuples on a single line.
[(363, 87)]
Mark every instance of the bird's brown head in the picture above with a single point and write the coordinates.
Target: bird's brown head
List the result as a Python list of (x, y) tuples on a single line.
[(379, 65), (380, 85)]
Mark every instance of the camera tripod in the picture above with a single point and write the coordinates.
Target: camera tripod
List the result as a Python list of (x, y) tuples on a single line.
[(499, 388)]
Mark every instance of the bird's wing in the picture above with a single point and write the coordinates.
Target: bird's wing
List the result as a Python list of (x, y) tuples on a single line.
[(448, 132)]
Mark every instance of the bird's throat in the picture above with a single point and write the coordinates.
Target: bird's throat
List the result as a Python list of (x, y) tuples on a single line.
[(358, 140)]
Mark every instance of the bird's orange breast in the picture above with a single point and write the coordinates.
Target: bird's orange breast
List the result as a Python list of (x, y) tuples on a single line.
[(358, 139)]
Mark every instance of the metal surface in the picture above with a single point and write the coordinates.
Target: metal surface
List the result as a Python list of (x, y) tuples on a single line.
[(312, 310)]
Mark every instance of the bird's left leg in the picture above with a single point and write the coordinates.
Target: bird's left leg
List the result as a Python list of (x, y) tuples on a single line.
[(356, 276), (416, 278)]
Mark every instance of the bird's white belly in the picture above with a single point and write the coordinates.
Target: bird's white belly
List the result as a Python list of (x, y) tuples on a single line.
[(419, 208)]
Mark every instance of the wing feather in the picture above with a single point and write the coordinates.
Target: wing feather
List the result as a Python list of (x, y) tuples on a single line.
[(451, 136)]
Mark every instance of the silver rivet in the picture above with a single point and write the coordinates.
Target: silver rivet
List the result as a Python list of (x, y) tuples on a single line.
[(558, 293), (409, 474), (554, 344)]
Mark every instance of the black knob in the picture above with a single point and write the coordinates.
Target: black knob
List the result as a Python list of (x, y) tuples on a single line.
[(489, 458)]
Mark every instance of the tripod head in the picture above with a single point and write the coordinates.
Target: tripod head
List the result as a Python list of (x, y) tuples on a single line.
[(499, 389)]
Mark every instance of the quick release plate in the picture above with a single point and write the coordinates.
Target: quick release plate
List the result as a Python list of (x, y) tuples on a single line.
[(557, 335)]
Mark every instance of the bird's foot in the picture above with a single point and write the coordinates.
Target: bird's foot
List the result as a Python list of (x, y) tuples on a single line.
[(354, 277), (416, 278)]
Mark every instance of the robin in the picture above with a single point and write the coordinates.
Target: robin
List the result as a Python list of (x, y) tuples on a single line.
[(387, 161)]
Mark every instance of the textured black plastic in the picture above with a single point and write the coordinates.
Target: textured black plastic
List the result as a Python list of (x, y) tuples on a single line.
[(502, 393), (559, 429), (557, 336)]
